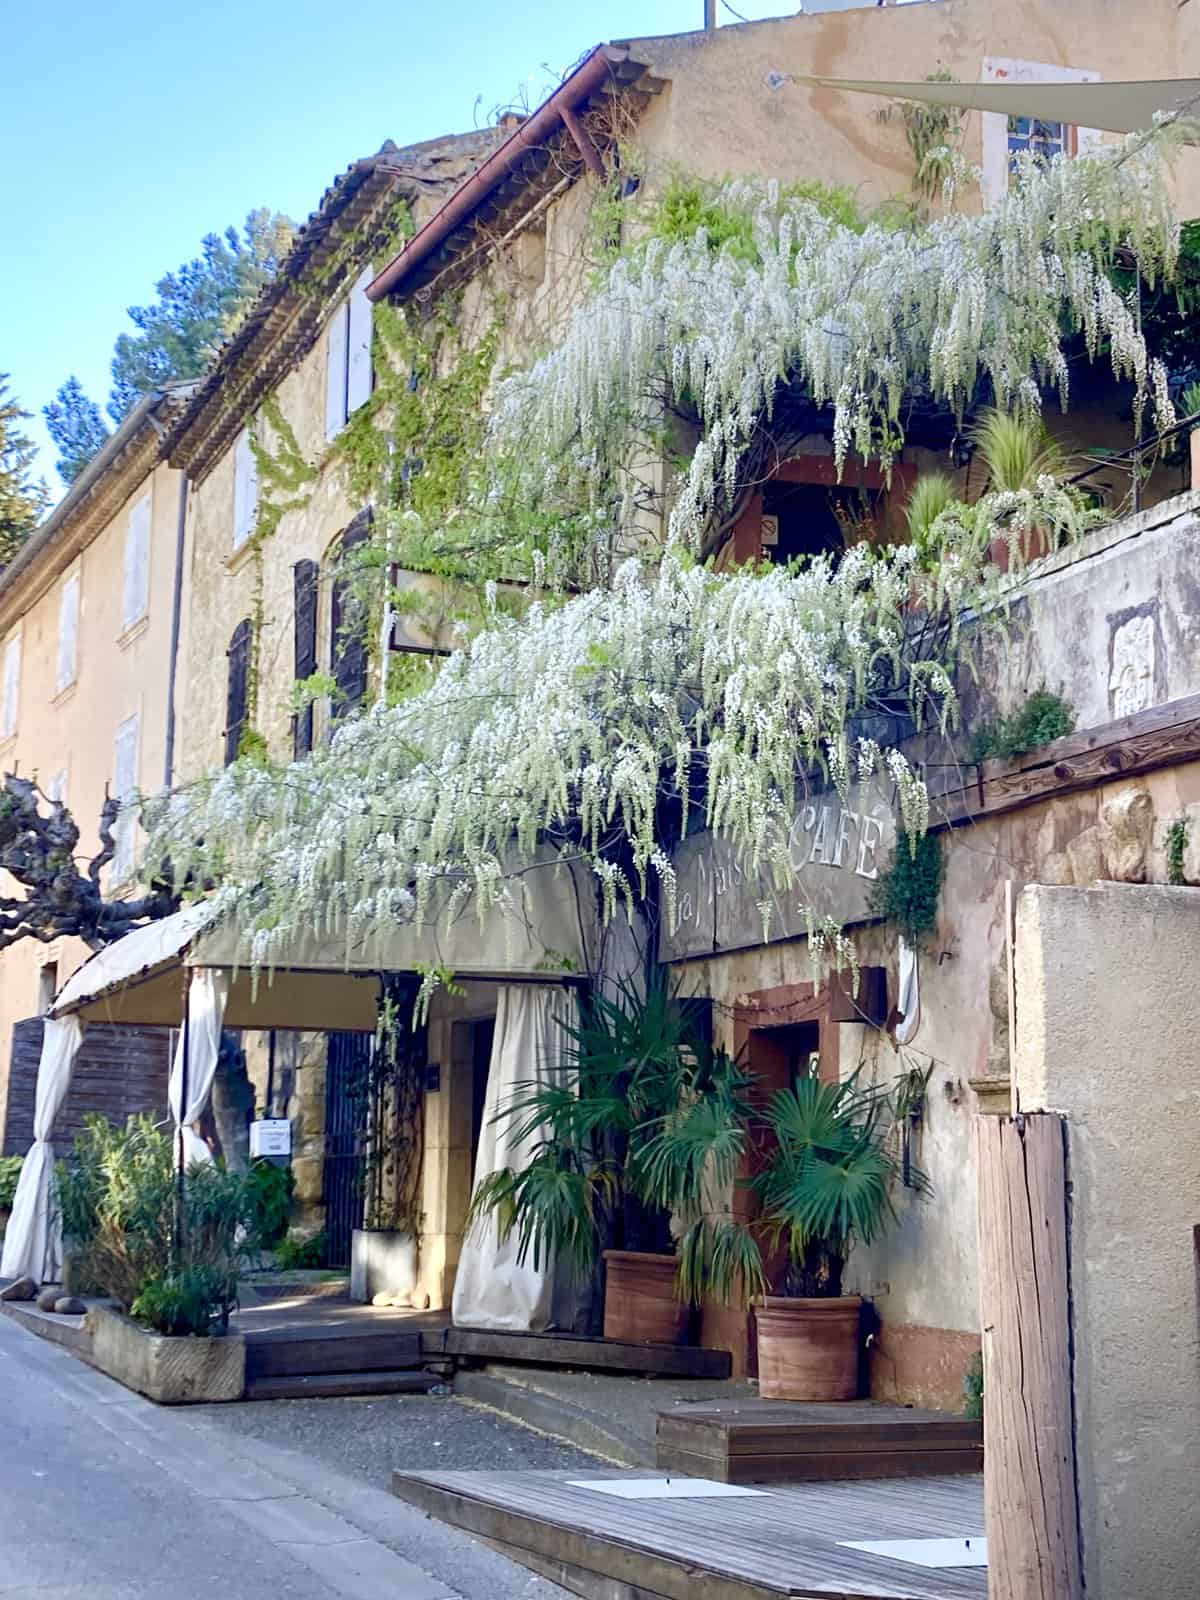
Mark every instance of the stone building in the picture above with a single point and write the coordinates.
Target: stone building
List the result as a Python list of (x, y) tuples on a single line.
[(509, 217)]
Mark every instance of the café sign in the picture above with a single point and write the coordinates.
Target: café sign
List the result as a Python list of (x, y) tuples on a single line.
[(837, 849)]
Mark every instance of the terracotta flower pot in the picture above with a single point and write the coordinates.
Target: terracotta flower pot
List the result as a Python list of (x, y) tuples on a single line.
[(640, 1304), (808, 1349)]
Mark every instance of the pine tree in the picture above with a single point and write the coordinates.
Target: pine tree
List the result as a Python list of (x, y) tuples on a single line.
[(76, 426), (22, 500)]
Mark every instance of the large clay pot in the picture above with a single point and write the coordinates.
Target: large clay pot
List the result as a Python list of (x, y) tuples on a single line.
[(808, 1349), (640, 1303)]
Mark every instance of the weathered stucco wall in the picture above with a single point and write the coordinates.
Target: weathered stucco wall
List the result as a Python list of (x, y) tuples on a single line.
[(745, 80), (67, 736), (1107, 1024)]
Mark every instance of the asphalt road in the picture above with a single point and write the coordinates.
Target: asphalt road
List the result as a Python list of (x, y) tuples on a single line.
[(106, 1496)]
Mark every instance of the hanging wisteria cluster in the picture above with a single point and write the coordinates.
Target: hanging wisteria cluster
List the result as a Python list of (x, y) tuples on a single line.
[(596, 725), (859, 320)]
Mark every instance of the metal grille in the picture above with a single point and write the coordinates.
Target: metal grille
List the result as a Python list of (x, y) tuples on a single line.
[(345, 1138)]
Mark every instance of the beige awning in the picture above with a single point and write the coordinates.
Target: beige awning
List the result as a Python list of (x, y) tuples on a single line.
[(319, 984), (1113, 107)]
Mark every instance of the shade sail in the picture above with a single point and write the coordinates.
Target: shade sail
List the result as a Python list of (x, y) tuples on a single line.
[(1125, 107), (328, 982)]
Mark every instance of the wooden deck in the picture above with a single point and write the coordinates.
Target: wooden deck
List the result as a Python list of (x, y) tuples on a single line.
[(782, 1542), (765, 1441), (307, 1336)]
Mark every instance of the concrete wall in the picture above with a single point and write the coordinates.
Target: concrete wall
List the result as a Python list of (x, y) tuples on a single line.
[(119, 673), (1107, 1028)]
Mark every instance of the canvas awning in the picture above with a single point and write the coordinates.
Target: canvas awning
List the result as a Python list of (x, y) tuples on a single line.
[(325, 983), (1124, 107)]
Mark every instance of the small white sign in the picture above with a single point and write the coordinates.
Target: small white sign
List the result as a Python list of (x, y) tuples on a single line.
[(966, 1552), (272, 1137), (663, 1488)]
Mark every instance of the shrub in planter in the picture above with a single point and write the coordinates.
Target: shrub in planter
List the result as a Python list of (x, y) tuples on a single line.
[(269, 1193), (299, 1252), (10, 1172), (120, 1206), (825, 1187), (600, 1182)]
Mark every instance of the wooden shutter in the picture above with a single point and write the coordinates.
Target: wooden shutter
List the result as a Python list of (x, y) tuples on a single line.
[(245, 490), (12, 687), (304, 580), (136, 598), (358, 378), (68, 632), (125, 771), (336, 371), (348, 645), (238, 691)]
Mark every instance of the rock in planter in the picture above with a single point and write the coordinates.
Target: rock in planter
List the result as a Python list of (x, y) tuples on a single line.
[(49, 1297), (19, 1289), (173, 1371), (69, 1305)]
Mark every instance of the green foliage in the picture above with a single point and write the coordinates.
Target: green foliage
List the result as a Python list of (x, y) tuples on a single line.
[(118, 1198), (300, 1252), (689, 204), (973, 1388), (197, 307), (1043, 718), (10, 1172), (908, 889), (624, 1138), (1177, 836), (933, 133), (931, 495), (827, 1184), (1015, 450), (269, 1192), (22, 500), (74, 422)]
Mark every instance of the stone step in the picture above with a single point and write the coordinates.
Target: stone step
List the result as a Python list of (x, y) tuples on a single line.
[(334, 1385)]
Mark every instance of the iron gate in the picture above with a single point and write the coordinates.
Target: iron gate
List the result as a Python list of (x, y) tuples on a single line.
[(345, 1140)]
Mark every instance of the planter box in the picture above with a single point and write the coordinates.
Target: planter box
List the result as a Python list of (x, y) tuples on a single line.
[(381, 1262), (169, 1370)]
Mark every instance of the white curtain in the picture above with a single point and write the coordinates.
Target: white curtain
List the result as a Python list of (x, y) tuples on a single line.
[(207, 994), (33, 1242), (908, 1000), (492, 1288)]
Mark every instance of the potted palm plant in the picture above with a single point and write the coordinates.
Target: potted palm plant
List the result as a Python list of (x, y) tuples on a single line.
[(1017, 452), (602, 1183), (826, 1186)]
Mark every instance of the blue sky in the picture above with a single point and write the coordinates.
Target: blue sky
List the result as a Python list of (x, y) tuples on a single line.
[(132, 128)]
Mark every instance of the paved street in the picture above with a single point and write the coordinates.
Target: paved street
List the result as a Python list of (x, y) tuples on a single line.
[(106, 1496)]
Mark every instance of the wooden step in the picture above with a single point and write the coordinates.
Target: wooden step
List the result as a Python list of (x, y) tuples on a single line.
[(288, 1352), (331, 1385), (763, 1441), (570, 1350)]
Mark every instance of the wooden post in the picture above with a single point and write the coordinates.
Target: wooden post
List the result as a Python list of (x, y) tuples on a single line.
[(1029, 1446)]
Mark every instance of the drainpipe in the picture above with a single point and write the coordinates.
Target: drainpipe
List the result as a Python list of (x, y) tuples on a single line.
[(176, 626), (710, 16)]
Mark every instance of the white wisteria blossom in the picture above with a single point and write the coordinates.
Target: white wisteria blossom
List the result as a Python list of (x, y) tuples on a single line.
[(581, 727), (858, 320)]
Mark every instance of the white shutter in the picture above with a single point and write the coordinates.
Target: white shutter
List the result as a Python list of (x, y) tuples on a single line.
[(336, 371), (56, 789), (68, 632), (245, 490), (358, 381), (12, 687), (125, 769), (136, 600)]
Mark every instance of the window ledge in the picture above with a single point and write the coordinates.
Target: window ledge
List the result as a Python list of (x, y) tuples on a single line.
[(64, 694), (235, 562), (133, 632)]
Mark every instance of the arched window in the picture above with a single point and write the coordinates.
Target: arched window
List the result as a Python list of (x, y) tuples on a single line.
[(237, 697), (304, 577), (347, 642)]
